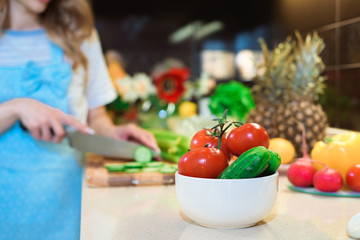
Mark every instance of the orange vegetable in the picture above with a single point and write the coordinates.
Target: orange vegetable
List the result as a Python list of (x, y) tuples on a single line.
[(116, 71), (284, 148), (339, 152)]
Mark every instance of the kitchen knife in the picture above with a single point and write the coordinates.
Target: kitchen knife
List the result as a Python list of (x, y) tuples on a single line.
[(107, 147), (101, 145)]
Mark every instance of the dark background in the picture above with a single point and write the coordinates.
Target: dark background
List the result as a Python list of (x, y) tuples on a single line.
[(140, 32)]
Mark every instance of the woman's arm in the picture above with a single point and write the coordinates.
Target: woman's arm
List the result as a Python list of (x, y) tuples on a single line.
[(42, 121), (99, 120), (8, 114), (100, 92)]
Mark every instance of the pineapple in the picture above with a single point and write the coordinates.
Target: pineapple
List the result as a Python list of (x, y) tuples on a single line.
[(270, 84), (304, 88), (286, 90)]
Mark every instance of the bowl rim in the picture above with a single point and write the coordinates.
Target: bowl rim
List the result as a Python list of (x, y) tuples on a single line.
[(228, 180)]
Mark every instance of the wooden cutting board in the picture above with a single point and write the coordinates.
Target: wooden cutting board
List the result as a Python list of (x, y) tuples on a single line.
[(98, 176)]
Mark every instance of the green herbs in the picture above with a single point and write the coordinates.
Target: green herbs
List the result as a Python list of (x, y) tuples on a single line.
[(233, 96)]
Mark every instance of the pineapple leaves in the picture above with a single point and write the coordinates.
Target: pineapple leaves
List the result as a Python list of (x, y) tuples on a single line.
[(292, 70)]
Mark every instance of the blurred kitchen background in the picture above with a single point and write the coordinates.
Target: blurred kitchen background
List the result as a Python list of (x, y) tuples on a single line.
[(218, 37)]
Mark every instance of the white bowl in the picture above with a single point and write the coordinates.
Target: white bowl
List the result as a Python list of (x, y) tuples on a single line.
[(226, 203)]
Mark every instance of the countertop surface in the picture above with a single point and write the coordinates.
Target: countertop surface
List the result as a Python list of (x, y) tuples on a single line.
[(152, 212)]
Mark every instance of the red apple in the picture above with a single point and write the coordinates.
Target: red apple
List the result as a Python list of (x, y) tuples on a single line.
[(301, 173), (328, 180)]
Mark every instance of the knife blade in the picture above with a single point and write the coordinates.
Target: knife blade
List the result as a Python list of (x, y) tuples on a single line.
[(94, 143), (101, 145)]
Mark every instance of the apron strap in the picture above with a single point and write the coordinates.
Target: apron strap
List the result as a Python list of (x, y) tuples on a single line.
[(57, 54)]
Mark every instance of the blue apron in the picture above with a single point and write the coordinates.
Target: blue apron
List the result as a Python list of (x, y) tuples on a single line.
[(40, 182)]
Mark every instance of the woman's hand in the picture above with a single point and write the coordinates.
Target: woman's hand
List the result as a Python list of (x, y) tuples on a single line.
[(133, 132), (102, 124), (45, 122)]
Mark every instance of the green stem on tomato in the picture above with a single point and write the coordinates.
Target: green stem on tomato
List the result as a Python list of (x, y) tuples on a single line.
[(220, 137), (221, 124)]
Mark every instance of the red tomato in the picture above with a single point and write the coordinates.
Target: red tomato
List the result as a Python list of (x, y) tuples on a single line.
[(203, 163), (353, 177), (247, 136), (224, 146), (203, 138), (328, 180)]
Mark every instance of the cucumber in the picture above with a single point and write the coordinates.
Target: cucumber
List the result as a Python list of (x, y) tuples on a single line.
[(133, 165), (154, 164), (250, 164), (132, 170), (167, 169), (174, 166), (136, 167), (274, 164), (115, 167), (143, 154)]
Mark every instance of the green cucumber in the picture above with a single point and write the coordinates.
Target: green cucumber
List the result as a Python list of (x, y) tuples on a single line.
[(174, 166), (143, 154), (167, 169), (133, 165), (274, 164), (154, 164), (115, 167), (132, 170), (250, 164)]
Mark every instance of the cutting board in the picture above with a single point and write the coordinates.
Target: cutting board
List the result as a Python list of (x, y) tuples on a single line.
[(98, 176)]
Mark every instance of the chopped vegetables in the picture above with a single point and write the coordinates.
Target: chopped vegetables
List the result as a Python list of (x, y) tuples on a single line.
[(136, 167), (143, 154), (172, 145)]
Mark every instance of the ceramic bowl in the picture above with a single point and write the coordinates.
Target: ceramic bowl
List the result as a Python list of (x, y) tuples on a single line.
[(226, 203)]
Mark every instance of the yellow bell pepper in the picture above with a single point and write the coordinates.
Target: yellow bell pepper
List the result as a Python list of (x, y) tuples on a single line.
[(339, 152), (187, 109)]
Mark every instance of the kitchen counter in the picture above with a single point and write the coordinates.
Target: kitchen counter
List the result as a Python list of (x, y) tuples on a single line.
[(152, 213)]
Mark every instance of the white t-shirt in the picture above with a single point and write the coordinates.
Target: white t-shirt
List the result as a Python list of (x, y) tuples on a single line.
[(99, 89), (19, 47)]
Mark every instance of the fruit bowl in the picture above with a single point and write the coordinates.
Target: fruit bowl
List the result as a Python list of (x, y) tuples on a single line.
[(226, 203)]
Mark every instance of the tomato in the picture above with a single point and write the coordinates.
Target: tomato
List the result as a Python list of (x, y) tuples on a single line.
[(353, 177), (247, 136), (224, 147), (203, 138), (203, 163), (328, 180)]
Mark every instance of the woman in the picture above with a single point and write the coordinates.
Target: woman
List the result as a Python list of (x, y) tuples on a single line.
[(52, 73)]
